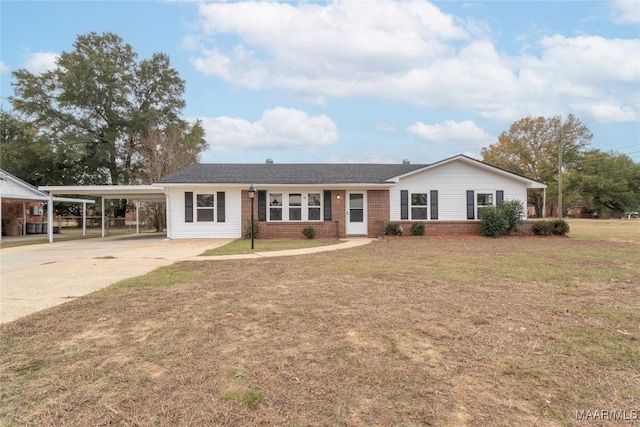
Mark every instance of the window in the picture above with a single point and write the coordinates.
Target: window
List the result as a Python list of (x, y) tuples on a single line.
[(483, 200), (418, 206), (313, 200), (275, 206), (295, 206), (204, 208)]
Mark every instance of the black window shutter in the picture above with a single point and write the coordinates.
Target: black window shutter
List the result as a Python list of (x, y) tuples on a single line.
[(434, 204), (404, 204), (470, 209), (262, 205), (499, 197), (221, 217), (327, 205), (188, 206)]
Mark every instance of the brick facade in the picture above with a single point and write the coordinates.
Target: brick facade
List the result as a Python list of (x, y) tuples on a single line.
[(293, 229), (12, 212), (377, 212), (377, 219)]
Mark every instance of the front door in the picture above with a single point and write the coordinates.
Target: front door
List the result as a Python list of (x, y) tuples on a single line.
[(357, 213)]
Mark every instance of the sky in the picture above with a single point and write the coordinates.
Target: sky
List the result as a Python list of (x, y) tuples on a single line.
[(363, 81)]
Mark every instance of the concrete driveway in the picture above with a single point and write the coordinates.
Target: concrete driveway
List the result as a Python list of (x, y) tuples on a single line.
[(36, 277)]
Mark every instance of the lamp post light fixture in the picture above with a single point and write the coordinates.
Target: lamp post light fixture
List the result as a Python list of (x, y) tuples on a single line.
[(252, 195)]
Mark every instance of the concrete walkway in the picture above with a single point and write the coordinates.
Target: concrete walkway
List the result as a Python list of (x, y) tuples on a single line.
[(36, 277)]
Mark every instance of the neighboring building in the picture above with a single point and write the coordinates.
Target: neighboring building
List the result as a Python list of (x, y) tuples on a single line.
[(338, 200), (22, 206)]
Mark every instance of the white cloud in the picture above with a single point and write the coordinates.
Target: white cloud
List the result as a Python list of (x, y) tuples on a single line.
[(39, 62), (385, 128), (412, 52), (278, 128), (449, 132), (4, 68), (625, 11), (607, 112)]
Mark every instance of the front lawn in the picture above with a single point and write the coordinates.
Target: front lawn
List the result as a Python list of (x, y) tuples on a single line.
[(411, 332), (243, 246)]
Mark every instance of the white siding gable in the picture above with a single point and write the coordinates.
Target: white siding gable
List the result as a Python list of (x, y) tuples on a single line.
[(452, 180)]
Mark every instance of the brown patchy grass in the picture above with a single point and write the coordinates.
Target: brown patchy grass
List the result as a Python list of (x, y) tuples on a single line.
[(622, 230), (408, 331)]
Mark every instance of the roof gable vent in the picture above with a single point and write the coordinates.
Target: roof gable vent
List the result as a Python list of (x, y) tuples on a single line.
[(406, 162), (269, 161)]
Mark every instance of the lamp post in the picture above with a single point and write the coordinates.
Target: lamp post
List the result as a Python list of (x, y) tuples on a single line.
[(252, 195)]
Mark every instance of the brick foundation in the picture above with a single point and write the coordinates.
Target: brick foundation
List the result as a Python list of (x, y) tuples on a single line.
[(446, 228)]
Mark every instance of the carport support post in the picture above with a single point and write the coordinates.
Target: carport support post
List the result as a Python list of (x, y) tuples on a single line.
[(24, 218), (50, 217), (137, 217), (102, 216), (84, 218)]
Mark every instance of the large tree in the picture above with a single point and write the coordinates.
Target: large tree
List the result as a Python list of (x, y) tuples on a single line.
[(99, 103), (531, 148), (606, 182), (165, 150)]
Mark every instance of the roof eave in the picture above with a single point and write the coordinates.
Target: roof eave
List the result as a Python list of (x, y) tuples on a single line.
[(328, 185)]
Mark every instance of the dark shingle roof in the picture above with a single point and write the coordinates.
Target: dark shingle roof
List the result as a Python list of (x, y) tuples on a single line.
[(300, 173)]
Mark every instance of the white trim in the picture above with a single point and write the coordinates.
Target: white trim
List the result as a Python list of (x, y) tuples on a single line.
[(130, 192), (325, 186)]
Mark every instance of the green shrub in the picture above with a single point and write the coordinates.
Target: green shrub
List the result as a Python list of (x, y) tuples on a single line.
[(504, 218), (417, 229), (309, 232), (393, 229), (513, 212), (256, 230), (542, 228), (559, 227), (492, 221)]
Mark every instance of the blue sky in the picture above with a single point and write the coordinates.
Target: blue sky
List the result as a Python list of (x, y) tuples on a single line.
[(363, 81)]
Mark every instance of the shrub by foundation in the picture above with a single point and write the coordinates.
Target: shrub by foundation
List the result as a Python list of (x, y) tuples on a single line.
[(393, 229), (417, 229), (309, 232)]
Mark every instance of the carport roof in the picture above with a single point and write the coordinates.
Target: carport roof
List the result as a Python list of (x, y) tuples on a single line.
[(13, 188), (145, 193)]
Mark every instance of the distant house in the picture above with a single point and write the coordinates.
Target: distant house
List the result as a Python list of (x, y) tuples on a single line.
[(338, 200)]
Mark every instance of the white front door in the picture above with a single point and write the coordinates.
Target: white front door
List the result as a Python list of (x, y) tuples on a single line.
[(357, 213)]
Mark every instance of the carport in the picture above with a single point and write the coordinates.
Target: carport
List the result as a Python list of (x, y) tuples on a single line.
[(13, 188), (137, 193)]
